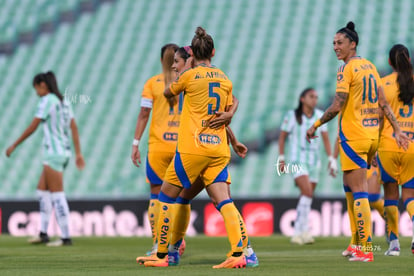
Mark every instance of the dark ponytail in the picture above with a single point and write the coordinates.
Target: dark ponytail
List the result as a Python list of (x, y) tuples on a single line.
[(184, 52), (400, 61), (50, 80), (349, 32), (299, 109), (202, 44)]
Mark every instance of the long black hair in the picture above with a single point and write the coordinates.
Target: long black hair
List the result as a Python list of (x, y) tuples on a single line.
[(299, 109), (400, 61), (184, 52), (50, 80)]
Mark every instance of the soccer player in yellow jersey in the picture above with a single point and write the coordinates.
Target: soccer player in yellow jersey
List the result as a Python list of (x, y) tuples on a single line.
[(201, 151), (396, 165), (162, 134), (358, 100)]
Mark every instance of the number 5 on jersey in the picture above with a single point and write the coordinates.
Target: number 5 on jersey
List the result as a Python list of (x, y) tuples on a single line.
[(213, 94)]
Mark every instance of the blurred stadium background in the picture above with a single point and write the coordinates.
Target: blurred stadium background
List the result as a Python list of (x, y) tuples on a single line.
[(103, 51)]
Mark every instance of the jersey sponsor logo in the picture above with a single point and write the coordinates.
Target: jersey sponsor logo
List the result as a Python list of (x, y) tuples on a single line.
[(173, 123), (209, 139), (170, 136), (371, 122), (409, 134), (198, 76)]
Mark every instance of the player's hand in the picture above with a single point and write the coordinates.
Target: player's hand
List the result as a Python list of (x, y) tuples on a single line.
[(282, 166), (402, 139), (332, 166), (310, 134), (240, 149), (136, 156), (172, 101), (10, 150), (80, 162), (221, 119)]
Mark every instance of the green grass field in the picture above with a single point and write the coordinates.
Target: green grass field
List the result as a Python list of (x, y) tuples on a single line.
[(116, 256)]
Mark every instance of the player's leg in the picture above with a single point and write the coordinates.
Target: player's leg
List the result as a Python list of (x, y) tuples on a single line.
[(362, 211), (251, 257), (156, 165), (45, 208), (182, 212), (407, 179), (388, 164), (54, 181), (354, 243), (391, 196), (374, 191), (301, 234)]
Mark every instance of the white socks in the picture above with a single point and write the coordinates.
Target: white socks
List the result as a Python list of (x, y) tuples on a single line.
[(62, 212), (45, 208), (303, 208)]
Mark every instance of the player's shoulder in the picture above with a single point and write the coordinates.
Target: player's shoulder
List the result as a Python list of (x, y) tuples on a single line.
[(389, 79), (156, 78)]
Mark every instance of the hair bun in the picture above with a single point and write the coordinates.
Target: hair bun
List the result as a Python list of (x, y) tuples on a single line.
[(351, 26), (200, 32)]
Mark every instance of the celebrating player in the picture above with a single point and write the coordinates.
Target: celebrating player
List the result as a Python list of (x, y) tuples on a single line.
[(57, 117), (162, 134), (396, 165), (201, 150), (359, 93), (305, 155)]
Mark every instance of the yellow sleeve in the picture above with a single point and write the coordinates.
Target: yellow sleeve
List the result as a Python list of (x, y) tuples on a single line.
[(179, 85), (147, 96), (230, 96), (343, 79)]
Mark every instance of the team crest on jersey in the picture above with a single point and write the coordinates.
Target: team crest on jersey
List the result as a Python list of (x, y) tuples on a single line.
[(340, 77)]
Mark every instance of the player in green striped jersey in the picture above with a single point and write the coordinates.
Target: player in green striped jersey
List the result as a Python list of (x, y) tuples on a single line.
[(303, 158), (55, 113)]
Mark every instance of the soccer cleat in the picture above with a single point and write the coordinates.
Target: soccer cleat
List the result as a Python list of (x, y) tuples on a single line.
[(182, 248), (297, 240), (360, 256), (173, 258), (157, 262), (252, 260), (233, 262), (142, 260), (395, 251), (61, 242), (350, 251), (307, 238), (42, 238)]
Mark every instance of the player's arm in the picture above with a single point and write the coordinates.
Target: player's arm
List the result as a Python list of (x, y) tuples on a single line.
[(80, 162), (401, 139), (330, 113), (224, 118), (239, 148), (142, 121), (28, 131)]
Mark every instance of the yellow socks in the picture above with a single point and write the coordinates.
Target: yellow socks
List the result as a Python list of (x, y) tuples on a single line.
[(409, 206), (153, 211), (231, 220), (391, 214), (350, 207), (377, 203), (245, 237), (362, 213), (181, 215), (165, 220)]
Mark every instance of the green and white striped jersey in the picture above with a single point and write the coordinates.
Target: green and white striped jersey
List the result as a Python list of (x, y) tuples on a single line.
[(56, 117), (298, 149)]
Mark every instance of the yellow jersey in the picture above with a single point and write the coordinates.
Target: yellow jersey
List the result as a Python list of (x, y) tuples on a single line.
[(359, 117), (165, 121), (207, 90), (403, 113)]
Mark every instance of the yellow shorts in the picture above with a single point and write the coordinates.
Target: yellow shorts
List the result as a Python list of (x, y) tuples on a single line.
[(357, 154), (157, 164), (185, 169), (397, 167)]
